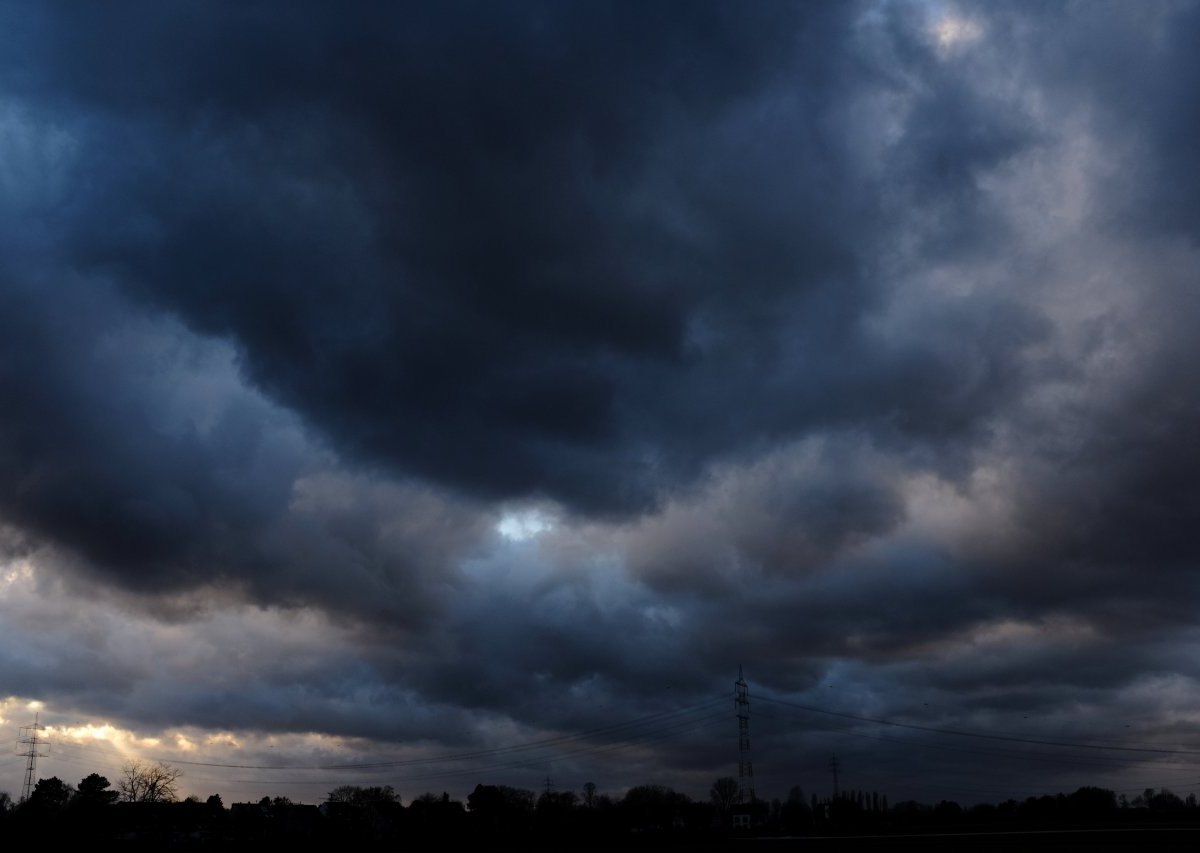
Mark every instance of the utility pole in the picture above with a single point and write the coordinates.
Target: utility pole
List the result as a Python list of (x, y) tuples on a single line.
[(741, 704), (32, 746), (833, 768)]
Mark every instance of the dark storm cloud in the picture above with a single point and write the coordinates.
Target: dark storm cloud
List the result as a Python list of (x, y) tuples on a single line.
[(834, 343), (129, 451), (79, 454), (572, 251), (1134, 70)]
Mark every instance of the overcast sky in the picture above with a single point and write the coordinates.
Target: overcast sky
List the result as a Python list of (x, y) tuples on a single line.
[(386, 382)]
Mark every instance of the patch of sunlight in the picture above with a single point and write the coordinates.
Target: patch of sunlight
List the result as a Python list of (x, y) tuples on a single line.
[(524, 524), (953, 32)]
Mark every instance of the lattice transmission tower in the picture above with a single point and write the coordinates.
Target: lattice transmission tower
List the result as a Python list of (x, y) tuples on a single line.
[(741, 704), (33, 745)]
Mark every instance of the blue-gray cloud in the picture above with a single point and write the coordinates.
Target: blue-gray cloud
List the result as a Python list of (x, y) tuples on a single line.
[(825, 333)]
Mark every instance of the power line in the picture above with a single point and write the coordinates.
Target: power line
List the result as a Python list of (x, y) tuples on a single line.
[(651, 726), (1109, 762), (709, 721), (983, 735), (536, 761)]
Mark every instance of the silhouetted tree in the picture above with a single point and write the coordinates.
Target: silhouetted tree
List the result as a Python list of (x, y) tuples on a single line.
[(795, 814), (485, 798), (342, 794), (149, 783), (589, 794), (94, 790), (776, 814), (1091, 802), (982, 813), (556, 802), (654, 808), (518, 799), (435, 816), (360, 796), (1142, 800), (364, 816), (948, 811), (500, 808), (274, 806), (555, 811), (1165, 801), (50, 794), (724, 794)]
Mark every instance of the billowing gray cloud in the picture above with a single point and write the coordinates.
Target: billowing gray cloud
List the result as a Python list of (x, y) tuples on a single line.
[(545, 359)]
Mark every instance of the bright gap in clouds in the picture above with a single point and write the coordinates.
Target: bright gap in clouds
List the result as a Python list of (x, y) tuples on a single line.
[(524, 524), (952, 32)]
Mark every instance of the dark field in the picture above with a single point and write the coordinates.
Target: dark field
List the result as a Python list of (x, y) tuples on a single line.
[(1148, 839)]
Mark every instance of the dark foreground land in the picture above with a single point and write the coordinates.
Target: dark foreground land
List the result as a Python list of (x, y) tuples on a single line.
[(1147, 839), (1063, 840), (498, 819)]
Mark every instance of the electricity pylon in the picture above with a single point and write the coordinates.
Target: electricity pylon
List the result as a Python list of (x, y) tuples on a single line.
[(32, 745)]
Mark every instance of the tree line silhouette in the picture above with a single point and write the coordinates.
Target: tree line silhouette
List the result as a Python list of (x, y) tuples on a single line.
[(143, 811)]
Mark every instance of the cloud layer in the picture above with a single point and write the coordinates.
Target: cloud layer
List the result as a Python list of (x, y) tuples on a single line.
[(436, 377)]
